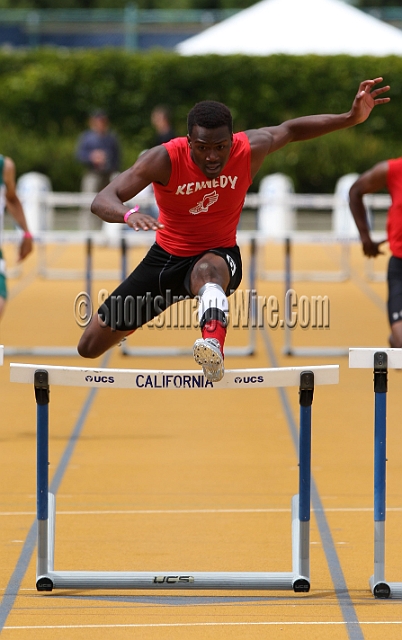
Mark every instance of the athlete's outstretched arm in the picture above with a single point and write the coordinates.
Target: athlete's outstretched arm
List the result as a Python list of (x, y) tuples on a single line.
[(269, 139), (151, 166)]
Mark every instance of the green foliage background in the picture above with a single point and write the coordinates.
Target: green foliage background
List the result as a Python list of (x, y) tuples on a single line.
[(47, 95)]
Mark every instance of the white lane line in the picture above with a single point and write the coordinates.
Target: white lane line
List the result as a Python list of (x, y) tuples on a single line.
[(193, 511), (200, 624)]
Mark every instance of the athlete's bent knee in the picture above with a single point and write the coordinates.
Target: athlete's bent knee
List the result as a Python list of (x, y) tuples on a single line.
[(88, 349)]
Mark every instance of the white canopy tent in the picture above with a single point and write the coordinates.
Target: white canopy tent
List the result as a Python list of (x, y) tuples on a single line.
[(297, 27)]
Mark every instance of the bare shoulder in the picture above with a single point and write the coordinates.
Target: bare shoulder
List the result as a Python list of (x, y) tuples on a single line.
[(373, 179), (260, 138), (261, 142), (378, 172), (154, 165)]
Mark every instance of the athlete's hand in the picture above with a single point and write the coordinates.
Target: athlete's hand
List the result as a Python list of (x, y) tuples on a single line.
[(25, 248), (143, 222), (366, 99), (371, 249)]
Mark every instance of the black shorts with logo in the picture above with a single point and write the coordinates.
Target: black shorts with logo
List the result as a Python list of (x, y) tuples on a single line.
[(394, 277), (160, 280)]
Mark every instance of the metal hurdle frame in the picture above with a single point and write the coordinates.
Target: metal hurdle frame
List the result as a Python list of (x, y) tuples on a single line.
[(316, 202), (47, 578), (314, 237), (89, 239), (288, 349), (58, 351), (379, 360), (246, 350)]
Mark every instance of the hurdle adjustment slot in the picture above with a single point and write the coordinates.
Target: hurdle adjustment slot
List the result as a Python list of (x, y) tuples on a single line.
[(306, 390), (41, 385), (380, 372)]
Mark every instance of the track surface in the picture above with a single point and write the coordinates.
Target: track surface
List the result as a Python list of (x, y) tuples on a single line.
[(168, 482)]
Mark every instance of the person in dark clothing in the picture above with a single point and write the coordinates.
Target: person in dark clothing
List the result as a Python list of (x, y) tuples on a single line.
[(98, 149), (162, 123)]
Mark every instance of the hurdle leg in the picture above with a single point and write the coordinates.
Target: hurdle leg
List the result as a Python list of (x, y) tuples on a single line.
[(301, 503), (379, 587), (41, 386)]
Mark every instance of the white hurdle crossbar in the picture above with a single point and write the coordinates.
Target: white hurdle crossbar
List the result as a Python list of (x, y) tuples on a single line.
[(47, 578), (379, 360)]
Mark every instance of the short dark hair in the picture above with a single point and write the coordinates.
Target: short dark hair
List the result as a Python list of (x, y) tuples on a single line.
[(210, 115)]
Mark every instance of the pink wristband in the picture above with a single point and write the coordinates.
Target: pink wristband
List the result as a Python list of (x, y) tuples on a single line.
[(133, 210), (27, 235)]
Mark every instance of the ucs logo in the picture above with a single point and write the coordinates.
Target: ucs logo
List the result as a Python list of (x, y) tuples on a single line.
[(104, 379), (249, 379), (172, 579)]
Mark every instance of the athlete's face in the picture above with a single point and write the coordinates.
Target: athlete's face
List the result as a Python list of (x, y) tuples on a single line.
[(210, 149)]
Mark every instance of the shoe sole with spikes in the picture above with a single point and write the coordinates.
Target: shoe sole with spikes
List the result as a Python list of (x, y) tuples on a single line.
[(207, 353)]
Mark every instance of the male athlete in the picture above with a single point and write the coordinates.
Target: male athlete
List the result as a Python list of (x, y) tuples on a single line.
[(384, 175), (200, 183), (10, 201)]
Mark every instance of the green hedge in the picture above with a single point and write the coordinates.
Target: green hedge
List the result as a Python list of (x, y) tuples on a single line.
[(47, 94)]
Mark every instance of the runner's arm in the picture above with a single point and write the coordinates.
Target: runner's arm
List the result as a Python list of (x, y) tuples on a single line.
[(151, 166)]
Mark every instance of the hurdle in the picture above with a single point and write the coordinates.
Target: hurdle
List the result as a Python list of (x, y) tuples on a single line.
[(314, 237), (89, 240), (246, 350), (58, 351), (43, 376), (288, 348), (379, 360)]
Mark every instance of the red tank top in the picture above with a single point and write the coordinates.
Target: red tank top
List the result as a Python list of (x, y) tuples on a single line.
[(394, 218), (199, 213)]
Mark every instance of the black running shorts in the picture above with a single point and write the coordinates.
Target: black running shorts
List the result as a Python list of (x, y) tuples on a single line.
[(160, 280)]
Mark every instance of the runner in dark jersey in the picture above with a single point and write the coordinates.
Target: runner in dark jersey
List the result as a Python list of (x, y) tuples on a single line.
[(200, 184), (384, 175)]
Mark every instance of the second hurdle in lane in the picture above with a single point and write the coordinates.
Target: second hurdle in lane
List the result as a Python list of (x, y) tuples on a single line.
[(379, 360), (41, 377)]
